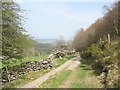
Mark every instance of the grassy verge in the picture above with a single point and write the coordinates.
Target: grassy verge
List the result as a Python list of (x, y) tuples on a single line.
[(70, 57), (15, 62), (26, 79), (55, 82), (86, 78), (33, 75), (59, 62)]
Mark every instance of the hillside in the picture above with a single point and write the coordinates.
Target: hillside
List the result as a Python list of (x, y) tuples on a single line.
[(50, 41)]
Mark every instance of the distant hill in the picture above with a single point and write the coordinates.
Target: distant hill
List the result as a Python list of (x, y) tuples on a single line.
[(50, 41)]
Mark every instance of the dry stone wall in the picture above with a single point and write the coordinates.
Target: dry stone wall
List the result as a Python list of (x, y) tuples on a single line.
[(12, 73)]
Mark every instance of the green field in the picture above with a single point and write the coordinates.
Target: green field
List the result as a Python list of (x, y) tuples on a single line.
[(15, 62)]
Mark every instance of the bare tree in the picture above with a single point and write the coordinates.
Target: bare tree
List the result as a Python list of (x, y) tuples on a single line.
[(60, 42), (112, 13)]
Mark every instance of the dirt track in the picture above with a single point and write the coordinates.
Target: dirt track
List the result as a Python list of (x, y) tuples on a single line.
[(71, 64), (70, 79)]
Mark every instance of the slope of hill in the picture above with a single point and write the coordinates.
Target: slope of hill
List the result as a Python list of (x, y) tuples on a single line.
[(51, 41)]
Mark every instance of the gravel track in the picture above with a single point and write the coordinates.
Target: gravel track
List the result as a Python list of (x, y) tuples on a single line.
[(70, 65)]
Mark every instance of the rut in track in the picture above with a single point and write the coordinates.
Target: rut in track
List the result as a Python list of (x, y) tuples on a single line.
[(70, 79)]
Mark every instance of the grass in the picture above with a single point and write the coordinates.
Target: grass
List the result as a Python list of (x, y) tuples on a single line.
[(26, 78), (55, 82), (33, 75), (15, 62), (70, 57), (85, 78), (59, 62)]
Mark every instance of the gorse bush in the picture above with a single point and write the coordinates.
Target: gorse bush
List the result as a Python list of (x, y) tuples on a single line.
[(105, 60), (97, 51)]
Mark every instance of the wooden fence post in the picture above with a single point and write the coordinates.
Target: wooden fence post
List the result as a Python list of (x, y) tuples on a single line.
[(100, 40), (109, 39)]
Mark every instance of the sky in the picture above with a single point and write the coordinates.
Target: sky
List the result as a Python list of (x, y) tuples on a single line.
[(51, 20)]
